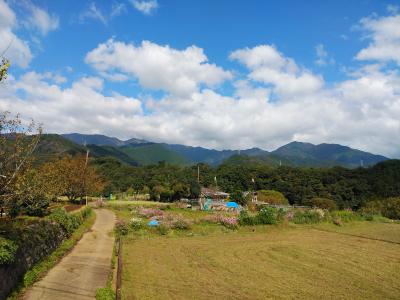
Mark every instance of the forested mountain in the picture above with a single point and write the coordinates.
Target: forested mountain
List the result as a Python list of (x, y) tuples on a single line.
[(135, 151), (100, 140), (306, 154)]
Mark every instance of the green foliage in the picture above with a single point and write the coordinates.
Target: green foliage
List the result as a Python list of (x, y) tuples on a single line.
[(389, 208), (136, 223), (106, 293), (324, 203), (162, 229), (309, 216), (392, 208), (8, 249), (267, 215), (246, 219), (121, 228), (69, 221), (271, 197), (346, 216), (237, 196)]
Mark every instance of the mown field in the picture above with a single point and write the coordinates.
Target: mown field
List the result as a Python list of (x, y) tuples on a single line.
[(359, 260)]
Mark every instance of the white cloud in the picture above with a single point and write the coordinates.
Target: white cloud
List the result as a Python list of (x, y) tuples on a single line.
[(146, 7), (179, 72), (323, 58), (117, 9), (276, 102), (269, 66), (384, 33), (16, 49), (92, 12), (81, 106), (41, 19)]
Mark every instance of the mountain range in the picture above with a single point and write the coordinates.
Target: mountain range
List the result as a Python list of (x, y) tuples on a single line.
[(141, 152)]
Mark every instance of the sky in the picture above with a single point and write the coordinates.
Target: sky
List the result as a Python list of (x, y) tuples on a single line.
[(217, 74)]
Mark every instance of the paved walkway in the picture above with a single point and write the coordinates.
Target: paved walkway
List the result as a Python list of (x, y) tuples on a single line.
[(85, 269)]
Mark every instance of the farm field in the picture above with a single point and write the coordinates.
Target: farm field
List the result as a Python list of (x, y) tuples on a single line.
[(359, 260)]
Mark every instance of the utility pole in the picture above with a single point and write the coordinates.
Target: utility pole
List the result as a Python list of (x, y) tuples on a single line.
[(84, 174)]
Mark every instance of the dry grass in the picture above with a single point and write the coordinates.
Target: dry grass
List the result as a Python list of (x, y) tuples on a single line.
[(272, 262)]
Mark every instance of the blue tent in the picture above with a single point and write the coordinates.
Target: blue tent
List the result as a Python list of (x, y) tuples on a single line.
[(153, 223), (232, 204)]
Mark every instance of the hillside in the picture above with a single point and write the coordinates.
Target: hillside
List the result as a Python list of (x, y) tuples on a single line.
[(135, 151), (53, 145), (99, 140), (109, 151), (148, 154), (306, 154)]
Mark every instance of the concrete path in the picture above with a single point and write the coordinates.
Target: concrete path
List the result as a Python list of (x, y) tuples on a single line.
[(85, 269)]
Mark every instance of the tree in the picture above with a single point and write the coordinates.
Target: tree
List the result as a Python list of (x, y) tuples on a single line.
[(271, 197), (17, 145), (69, 176), (5, 64)]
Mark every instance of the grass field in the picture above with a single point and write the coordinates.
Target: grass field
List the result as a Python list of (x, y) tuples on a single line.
[(357, 261)]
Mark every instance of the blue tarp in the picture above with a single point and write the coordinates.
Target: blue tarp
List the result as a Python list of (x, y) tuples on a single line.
[(232, 204), (153, 223)]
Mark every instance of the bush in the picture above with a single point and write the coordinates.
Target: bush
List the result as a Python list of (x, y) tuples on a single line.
[(324, 203), (267, 215), (310, 216), (8, 249), (272, 197), (121, 227), (389, 208), (136, 223), (346, 216), (68, 221), (36, 207), (246, 219), (175, 222)]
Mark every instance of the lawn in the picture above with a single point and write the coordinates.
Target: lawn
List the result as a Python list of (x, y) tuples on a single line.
[(359, 260)]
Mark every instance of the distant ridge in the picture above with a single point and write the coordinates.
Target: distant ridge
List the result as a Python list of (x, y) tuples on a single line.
[(100, 140), (142, 152)]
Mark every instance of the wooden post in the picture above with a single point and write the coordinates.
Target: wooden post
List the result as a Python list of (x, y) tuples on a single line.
[(119, 271)]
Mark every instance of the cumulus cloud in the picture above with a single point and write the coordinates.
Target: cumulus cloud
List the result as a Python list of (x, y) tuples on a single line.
[(267, 65), (80, 107), (146, 7), (384, 36), (179, 72), (40, 19), (275, 102), (17, 50)]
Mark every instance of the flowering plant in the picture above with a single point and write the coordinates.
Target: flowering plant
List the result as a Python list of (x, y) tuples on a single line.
[(149, 212)]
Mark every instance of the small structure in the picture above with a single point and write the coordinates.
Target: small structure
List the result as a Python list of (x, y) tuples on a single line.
[(212, 197), (214, 194)]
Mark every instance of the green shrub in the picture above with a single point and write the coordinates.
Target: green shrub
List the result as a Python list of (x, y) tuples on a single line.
[(246, 219), (324, 203), (8, 249), (310, 216), (272, 197), (346, 216), (68, 221), (136, 223), (392, 208), (267, 215)]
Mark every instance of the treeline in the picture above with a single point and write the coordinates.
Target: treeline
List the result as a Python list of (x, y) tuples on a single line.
[(349, 188)]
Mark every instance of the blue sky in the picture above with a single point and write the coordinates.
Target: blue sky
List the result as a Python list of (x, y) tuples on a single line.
[(220, 74)]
